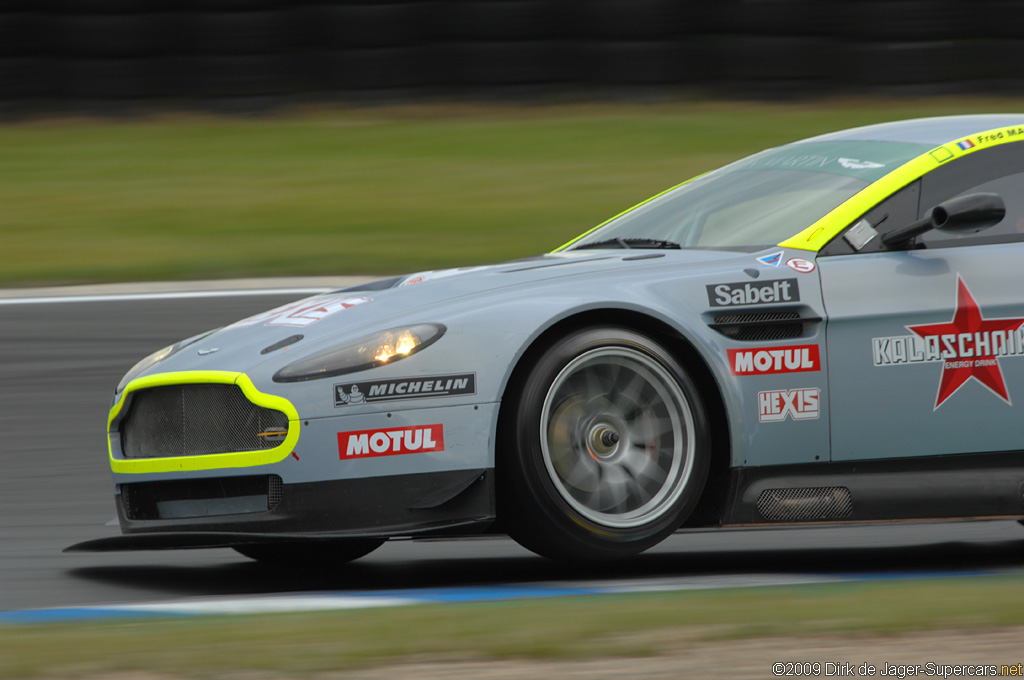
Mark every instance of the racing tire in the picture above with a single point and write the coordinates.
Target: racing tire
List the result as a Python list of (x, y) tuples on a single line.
[(607, 448), (310, 553)]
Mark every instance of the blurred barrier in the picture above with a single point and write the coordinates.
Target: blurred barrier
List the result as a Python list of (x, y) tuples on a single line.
[(60, 54)]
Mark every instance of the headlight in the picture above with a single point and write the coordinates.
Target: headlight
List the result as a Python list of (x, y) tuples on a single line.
[(374, 350), (138, 368), (156, 357)]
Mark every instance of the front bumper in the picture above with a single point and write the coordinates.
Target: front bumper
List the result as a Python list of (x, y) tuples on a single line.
[(223, 512)]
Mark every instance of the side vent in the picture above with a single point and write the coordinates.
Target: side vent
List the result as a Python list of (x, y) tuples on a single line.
[(762, 325), (806, 504)]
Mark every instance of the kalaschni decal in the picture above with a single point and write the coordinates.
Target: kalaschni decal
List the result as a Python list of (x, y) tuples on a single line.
[(771, 360), (753, 293), (774, 406), (353, 394), (393, 441), (968, 346)]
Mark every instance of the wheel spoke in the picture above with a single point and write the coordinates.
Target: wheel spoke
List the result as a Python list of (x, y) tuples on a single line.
[(614, 489)]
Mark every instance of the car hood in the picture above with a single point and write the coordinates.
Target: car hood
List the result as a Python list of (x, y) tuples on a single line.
[(296, 329)]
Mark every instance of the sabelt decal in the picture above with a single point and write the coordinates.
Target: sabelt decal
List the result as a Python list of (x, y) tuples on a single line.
[(394, 441), (771, 360), (304, 312), (968, 346), (774, 406), (753, 293), (346, 394)]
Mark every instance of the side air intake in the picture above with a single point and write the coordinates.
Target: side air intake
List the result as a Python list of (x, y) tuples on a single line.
[(762, 325), (805, 504)]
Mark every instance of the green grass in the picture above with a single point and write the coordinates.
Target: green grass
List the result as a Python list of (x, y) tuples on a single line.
[(363, 191), (605, 626)]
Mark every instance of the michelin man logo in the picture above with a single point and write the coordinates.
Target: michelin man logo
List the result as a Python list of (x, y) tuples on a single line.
[(352, 397)]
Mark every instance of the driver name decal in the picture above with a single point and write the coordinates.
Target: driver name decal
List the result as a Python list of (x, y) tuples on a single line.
[(393, 441), (753, 293), (968, 346), (772, 360)]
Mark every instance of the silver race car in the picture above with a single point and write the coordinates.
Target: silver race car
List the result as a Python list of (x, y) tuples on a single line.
[(827, 331)]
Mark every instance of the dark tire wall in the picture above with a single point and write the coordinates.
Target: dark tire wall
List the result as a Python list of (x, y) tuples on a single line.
[(57, 54)]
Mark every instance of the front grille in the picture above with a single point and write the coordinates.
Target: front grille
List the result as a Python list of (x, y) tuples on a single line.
[(760, 326), (805, 504), (197, 420)]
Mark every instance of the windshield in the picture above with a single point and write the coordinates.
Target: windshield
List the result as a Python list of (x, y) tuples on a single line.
[(755, 202)]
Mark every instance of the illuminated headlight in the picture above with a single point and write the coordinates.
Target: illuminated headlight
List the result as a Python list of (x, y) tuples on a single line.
[(374, 350)]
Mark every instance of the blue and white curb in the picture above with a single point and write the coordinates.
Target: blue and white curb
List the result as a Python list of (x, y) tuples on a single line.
[(318, 602)]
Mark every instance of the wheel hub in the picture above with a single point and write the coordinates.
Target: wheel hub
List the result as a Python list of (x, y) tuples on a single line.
[(603, 441)]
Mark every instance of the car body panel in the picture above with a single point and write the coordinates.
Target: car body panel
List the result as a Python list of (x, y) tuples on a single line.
[(888, 397), (813, 358)]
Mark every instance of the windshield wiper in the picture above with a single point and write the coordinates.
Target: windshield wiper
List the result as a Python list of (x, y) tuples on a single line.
[(629, 243)]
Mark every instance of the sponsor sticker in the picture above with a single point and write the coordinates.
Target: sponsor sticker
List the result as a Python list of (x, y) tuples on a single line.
[(774, 406), (393, 441), (303, 312), (857, 164), (353, 394), (968, 346), (772, 260), (772, 360), (941, 154), (798, 264), (753, 293)]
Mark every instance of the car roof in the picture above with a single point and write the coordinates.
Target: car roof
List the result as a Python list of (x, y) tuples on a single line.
[(933, 131)]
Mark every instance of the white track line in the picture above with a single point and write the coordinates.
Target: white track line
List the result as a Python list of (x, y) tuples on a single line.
[(180, 295)]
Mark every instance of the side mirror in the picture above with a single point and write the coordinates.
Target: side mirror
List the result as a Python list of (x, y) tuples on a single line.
[(961, 215)]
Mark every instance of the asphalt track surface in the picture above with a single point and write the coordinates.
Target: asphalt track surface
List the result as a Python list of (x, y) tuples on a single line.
[(59, 363)]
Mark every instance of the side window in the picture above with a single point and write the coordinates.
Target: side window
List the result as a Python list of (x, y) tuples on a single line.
[(898, 210), (998, 170)]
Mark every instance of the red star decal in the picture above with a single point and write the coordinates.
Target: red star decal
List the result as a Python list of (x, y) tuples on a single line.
[(966, 326)]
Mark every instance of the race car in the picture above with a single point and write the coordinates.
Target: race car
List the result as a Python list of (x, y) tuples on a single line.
[(827, 331)]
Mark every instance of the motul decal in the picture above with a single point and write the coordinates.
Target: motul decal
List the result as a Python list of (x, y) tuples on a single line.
[(394, 441), (775, 406), (770, 360), (968, 346)]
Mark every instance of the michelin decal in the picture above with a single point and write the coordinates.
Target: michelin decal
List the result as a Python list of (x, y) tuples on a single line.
[(353, 394)]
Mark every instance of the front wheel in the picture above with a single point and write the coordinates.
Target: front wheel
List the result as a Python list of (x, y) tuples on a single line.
[(606, 447)]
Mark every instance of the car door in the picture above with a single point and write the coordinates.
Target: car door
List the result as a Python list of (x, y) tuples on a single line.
[(926, 343)]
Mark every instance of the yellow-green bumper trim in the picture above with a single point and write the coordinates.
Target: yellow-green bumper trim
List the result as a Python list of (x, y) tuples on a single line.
[(212, 461)]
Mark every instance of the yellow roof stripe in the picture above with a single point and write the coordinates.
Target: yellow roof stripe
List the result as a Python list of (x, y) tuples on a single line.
[(824, 230)]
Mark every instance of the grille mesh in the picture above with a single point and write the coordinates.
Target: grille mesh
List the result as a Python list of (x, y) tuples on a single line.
[(760, 326), (275, 492), (806, 504), (196, 420)]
